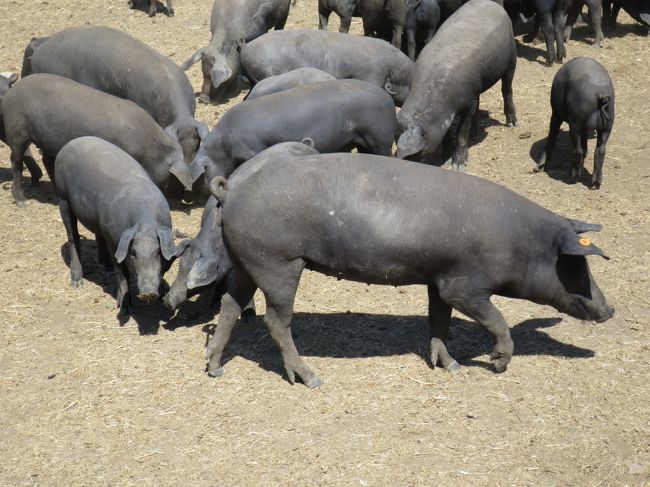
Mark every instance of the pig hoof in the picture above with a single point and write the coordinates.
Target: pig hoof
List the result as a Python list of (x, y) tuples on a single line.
[(215, 371), (313, 382), (21, 204), (77, 282), (203, 98), (453, 366), (538, 169)]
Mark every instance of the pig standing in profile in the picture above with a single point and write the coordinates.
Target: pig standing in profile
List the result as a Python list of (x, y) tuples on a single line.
[(106, 190), (379, 220), (583, 96)]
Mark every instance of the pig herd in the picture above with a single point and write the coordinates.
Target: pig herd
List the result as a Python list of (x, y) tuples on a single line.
[(114, 120)]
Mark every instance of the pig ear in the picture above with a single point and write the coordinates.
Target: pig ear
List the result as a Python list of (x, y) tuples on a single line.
[(572, 244), (125, 242), (182, 247), (195, 58), (196, 169), (410, 142), (582, 227), (11, 77), (167, 247), (183, 174), (202, 130), (203, 272)]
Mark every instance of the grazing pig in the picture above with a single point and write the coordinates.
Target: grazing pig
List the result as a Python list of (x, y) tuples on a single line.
[(380, 221), (574, 8), (331, 116), (153, 7), (116, 63), (292, 79), (422, 20), (470, 53), (345, 9), (7, 80), (343, 56), (203, 260), (583, 96), (112, 196), (233, 23), (50, 111)]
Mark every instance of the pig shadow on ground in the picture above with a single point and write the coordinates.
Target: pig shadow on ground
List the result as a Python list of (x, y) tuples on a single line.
[(559, 168), (358, 335), (43, 192), (143, 6), (147, 316), (531, 53), (623, 30)]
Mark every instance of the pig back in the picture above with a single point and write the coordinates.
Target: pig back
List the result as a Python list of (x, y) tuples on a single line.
[(116, 63)]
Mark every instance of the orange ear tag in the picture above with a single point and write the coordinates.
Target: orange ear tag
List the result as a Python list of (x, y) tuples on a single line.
[(585, 242)]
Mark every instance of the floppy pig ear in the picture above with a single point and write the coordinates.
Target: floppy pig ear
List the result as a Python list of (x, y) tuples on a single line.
[(202, 130), (123, 246), (410, 142), (573, 244), (183, 173), (182, 247), (203, 272), (167, 247)]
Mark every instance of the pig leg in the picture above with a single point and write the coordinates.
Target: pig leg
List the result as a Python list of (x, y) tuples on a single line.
[(323, 17), (577, 143), (439, 318), (17, 173), (32, 167), (346, 20), (240, 291), (572, 16), (48, 162), (279, 292), (506, 92), (599, 159), (546, 23), (123, 296), (410, 42), (152, 8), (558, 29), (103, 255), (459, 157), (71, 229), (553, 132), (170, 8), (483, 311), (397, 36), (596, 17)]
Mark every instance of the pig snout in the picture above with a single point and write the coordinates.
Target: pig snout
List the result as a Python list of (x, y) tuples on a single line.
[(175, 297)]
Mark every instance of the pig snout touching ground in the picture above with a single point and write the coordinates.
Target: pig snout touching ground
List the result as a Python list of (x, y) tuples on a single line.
[(472, 50), (106, 190), (465, 238), (582, 95), (204, 260)]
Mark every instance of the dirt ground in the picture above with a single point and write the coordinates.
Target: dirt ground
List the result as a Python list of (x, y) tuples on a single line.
[(87, 401)]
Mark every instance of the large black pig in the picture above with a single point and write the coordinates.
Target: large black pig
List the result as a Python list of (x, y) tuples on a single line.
[(378, 220)]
